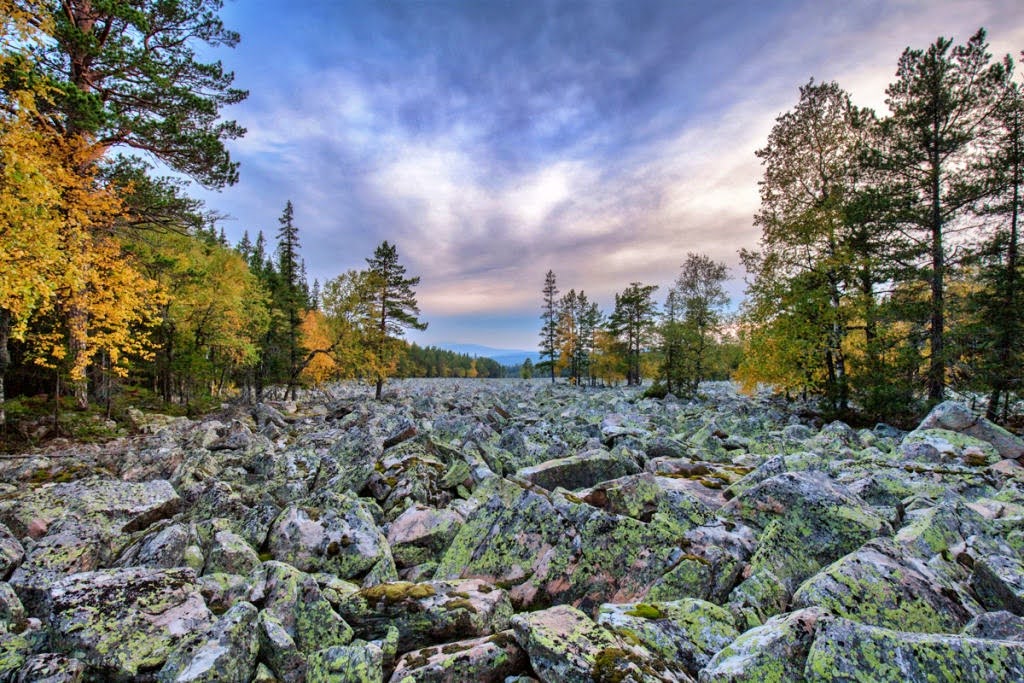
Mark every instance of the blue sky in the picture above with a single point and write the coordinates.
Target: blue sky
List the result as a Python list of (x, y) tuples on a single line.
[(493, 141)]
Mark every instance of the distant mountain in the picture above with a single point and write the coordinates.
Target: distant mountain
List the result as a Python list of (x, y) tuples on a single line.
[(502, 356)]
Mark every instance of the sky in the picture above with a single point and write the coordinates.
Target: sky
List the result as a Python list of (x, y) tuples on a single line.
[(492, 141)]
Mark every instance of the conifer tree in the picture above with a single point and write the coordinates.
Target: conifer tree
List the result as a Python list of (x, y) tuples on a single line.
[(549, 320), (633, 323), (393, 309), (943, 100)]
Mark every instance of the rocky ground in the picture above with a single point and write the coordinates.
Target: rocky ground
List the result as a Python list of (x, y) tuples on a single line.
[(515, 531)]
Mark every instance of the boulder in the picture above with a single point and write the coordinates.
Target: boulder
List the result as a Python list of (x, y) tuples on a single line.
[(426, 613), (998, 581), (563, 644), (355, 663), (996, 626), (775, 651), (330, 533), (688, 632), (294, 598), (878, 585), (225, 652), (957, 417), (492, 659), (124, 621), (422, 534), (846, 650), (579, 471)]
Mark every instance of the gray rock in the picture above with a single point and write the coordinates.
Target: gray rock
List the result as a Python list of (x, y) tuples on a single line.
[(845, 650), (998, 581), (329, 533), (225, 652), (579, 471), (51, 667), (958, 418), (356, 663), (775, 651), (123, 621), (484, 660), (995, 625), (422, 534)]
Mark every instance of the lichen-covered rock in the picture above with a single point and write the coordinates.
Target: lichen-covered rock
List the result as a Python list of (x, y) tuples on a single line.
[(775, 651), (688, 632), (355, 663), (50, 667), (579, 471), (421, 534), (957, 417), (295, 600), (709, 565), (53, 557), (123, 621), (847, 651), (1000, 625), (954, 449), (12, 612), (112, 508), (557, 549), (278, 651), (483, 660), (163, 548), (807, 521), (11, 553), (563, 644), (998, 581), (427, 613), (330, 533), (642, 496), (225, 652), (878, 585), (229, 553)]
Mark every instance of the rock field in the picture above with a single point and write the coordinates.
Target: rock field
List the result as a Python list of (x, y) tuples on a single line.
[(514, 531)]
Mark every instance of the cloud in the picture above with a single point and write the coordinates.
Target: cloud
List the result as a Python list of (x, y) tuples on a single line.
[(493, 142)]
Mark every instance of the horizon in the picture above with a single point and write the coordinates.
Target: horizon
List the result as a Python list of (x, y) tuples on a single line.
[(601, 141)]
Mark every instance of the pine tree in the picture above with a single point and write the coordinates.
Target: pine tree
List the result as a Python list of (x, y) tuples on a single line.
[(549, 319), (942, 101), (693, 313), (394, 309), (633, 323)]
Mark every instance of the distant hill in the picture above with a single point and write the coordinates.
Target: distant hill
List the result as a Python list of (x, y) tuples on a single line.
[(502, 356)]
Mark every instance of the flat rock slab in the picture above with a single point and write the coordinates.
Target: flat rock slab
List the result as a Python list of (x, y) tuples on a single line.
[(122, 622), (847, 651), (483, 660), (579, 471), (113, 507)]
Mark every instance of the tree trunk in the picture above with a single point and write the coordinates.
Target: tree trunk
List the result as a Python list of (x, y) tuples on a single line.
[(937, 363), (5, 358), (380, 387)]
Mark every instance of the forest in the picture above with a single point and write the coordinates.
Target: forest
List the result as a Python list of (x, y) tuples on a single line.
[(887, 276)]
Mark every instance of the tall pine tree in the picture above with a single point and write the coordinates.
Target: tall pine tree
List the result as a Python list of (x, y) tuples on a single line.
[(394, 309), (549, 322)]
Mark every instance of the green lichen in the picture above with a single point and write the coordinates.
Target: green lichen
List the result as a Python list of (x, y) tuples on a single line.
[(397, 591), (646, 611)]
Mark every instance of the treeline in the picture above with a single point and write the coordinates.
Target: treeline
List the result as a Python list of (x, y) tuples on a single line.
[(430, 361), (114, 276), (677, 344), (889, 270)]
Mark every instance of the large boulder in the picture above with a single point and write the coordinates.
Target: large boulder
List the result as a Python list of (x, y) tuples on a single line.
[(565, 645), (121, 622), (880, 586), (689, 632), (426, 613), (422, 534), (492, 659), (957, 417), (846, 650), (579, 471), (332, 533), (225, 652), (775, 651)]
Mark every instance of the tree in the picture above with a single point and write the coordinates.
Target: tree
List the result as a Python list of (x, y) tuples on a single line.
[(999, 302), (633, 323), (693, 320), (394, 308), (290, 296), (526, 370), (812, 244), (549, 319), (128, 75), (944, 99)]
